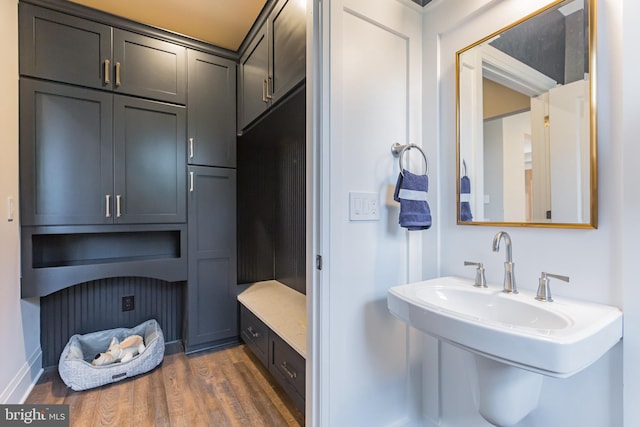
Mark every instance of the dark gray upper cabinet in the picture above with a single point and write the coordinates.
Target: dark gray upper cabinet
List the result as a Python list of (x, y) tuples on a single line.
[(64, 48), (211, 105), (150, 164), (73, 173), (66, 154), (253, 71), (287, 47), (211, 296), (274, 62), (149, 67)]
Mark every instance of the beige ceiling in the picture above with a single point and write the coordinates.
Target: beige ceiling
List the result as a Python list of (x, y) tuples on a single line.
[(223, 23)]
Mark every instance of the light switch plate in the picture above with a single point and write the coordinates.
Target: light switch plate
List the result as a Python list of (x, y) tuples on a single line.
[(10, 209), (364, 206)]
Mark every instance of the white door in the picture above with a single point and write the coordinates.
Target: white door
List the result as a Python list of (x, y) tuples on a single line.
[(370, 97)]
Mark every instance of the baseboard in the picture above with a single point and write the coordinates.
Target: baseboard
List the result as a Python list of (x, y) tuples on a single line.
[(25, 379), (411, 422)]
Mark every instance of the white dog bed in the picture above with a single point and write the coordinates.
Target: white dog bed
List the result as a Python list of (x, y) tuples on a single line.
[(75, 365)]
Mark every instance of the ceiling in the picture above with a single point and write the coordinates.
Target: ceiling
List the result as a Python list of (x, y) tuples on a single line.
[(224, 23)]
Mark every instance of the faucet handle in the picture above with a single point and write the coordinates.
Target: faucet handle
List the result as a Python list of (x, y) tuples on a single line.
[(544, 290), (480, 281)]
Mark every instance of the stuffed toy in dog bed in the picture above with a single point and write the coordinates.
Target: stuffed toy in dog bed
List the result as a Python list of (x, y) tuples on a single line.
[(103, 357)]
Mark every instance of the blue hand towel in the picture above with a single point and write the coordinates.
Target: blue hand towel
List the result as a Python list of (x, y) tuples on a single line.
[(411, 192), (465, 194)]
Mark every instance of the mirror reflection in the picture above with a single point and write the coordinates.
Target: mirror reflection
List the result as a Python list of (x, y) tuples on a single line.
[(526, 121)]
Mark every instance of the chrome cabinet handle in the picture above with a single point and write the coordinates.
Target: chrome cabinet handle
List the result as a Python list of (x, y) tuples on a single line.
[(292, 374), (118, 74), (269, 94), (264, 90), (191, 148), (107, 200), (118, 203), (107, 71), (191, 182), (253, 333)]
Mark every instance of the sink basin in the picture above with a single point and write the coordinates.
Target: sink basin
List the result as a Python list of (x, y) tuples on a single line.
[(557, 338)]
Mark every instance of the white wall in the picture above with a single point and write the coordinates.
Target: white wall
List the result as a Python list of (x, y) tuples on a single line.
[(371, 96), (594, 259), (630, 226), (19, 320)]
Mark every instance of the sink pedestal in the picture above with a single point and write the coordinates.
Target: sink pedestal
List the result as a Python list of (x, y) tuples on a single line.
[(504, 394)]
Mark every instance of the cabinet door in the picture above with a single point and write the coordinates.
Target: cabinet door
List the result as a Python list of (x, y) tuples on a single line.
[(150, 161), (66, 160), (287, 46), (149, 67), (64, 48), (212, 110), (254, 68), (212, 303)]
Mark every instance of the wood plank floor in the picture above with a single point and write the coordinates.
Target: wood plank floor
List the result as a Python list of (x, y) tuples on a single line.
[(228, 387)]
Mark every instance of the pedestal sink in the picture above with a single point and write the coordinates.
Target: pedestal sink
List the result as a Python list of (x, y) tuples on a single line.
[(514, 337)]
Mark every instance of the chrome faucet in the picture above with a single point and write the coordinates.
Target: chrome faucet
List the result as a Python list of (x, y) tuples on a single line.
[(509, 285)]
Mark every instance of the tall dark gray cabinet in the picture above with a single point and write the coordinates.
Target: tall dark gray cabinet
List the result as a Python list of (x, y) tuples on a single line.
[(127, 166), (211, 297)]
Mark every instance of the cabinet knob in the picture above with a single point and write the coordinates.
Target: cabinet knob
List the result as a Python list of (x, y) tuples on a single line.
[(191, 186), (191, 152)]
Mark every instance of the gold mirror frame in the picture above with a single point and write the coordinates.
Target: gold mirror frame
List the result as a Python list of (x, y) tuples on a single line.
[(593, 178)]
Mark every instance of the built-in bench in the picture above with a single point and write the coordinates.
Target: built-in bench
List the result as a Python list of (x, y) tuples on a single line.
[(273, 325)]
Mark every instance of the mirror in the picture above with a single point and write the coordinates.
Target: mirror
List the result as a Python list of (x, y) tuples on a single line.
[(526, 122)]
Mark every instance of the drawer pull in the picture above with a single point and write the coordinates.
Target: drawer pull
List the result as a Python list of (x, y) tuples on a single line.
[(253, 333), (285, 367)]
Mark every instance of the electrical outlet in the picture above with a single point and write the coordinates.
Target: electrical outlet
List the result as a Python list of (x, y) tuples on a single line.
[(128, 303)]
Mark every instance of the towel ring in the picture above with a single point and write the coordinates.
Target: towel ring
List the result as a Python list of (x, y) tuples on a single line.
[(398, 151)]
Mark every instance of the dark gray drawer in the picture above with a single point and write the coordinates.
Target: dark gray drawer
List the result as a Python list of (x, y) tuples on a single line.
[(255, 333), (288, 367)]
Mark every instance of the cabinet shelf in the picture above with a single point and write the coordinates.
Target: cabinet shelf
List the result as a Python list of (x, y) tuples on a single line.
[(61, 250), (58, 257)]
